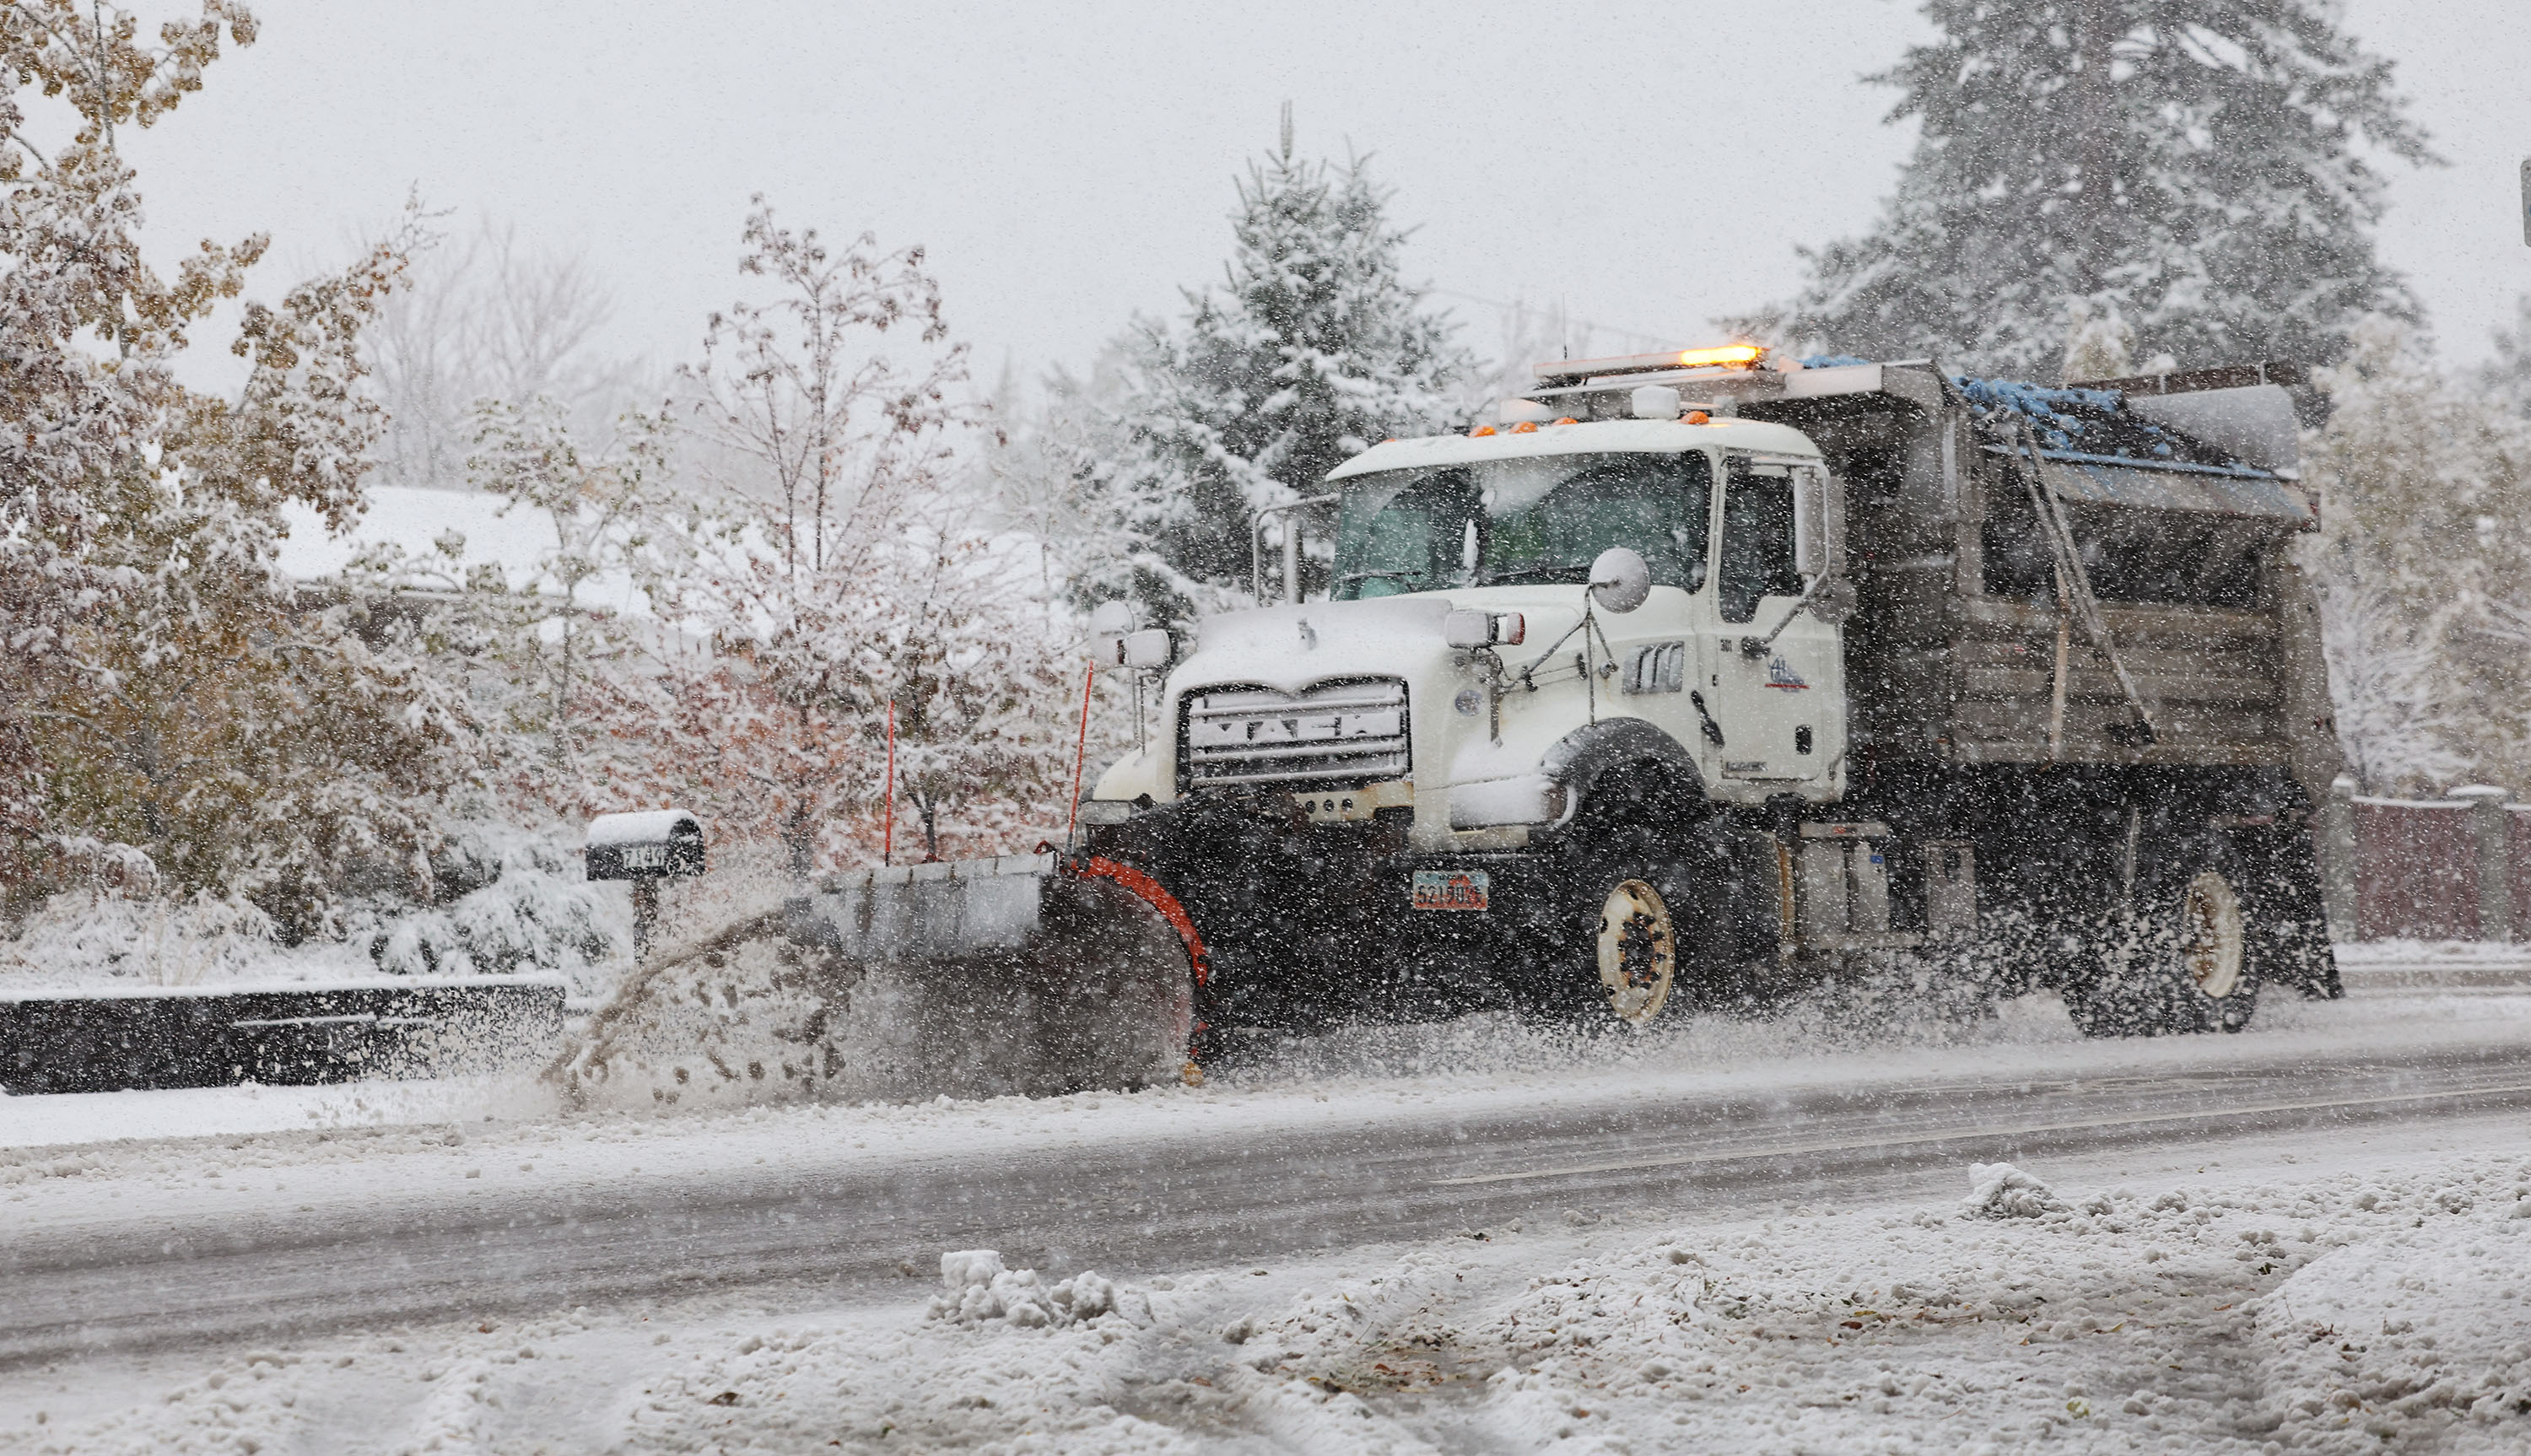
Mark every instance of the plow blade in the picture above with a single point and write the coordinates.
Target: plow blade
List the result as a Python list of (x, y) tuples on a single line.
[(1097, 965)]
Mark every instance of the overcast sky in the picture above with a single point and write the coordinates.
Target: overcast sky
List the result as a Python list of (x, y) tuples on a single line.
[(1651, 166)]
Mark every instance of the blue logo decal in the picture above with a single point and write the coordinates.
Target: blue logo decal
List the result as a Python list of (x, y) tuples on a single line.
[(1780, 674)]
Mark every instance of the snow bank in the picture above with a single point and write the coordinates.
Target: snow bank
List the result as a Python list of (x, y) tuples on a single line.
[(2420, 1336), (2398, 965)]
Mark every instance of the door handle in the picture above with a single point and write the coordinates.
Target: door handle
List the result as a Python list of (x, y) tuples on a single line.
[(1713, 729)]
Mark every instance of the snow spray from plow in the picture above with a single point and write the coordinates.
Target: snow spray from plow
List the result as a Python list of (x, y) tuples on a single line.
[(1036, 974)]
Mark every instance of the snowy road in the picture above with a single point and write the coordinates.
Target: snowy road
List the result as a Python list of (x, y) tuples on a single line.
[(772, 1208)]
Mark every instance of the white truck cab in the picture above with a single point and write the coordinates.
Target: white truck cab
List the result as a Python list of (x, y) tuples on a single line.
[(1362, 703)]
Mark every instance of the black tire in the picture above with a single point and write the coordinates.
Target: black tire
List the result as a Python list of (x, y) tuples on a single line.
[(1626, 942), (2187, 957)]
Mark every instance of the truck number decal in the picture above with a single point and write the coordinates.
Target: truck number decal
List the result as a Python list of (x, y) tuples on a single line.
[(1451, 889)]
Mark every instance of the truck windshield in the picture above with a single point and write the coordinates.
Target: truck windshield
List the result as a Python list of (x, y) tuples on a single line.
[(1501, 521)]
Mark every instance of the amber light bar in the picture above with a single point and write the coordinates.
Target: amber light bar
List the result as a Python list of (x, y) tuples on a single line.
[(1722, 356)]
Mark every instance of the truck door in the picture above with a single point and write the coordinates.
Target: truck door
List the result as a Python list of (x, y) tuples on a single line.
[(1775, 672)]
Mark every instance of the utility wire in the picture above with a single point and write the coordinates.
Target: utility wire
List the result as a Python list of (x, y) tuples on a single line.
[(1653, 342)]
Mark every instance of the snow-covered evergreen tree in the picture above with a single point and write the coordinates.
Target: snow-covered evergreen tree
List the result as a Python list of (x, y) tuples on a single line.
[(1311, 349), (2199, 165)]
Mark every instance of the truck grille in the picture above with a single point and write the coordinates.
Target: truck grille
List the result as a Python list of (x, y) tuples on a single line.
[(1259, 736)]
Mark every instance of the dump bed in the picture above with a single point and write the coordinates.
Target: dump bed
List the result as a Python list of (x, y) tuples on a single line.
[(2166, 510)]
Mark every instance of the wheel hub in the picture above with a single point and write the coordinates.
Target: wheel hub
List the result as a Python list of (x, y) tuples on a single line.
[(1638, 951), (2211, 935)]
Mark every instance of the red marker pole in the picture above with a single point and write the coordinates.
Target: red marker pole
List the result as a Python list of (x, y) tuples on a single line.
[(888, 835), (1079, 753)]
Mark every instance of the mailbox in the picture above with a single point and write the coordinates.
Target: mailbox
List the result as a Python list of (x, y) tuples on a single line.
[(654, 844)]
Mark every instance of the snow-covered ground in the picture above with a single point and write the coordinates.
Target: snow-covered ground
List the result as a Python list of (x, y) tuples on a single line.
[(2308, 1294), (2313, 1291)]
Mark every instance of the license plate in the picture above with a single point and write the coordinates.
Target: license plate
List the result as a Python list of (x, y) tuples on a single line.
[(1451, 889)]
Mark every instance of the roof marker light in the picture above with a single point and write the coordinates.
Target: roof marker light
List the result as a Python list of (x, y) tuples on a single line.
[(1699, 417), (1729, 354), (1481, 431), (1525, 428), (1719, 357), (1568, 420)]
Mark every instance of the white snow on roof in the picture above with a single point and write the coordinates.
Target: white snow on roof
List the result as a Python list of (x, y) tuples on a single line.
[(1597, 437), (515, 538)]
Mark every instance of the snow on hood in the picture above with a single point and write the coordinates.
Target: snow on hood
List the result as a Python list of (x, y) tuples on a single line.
[(1290, 647)]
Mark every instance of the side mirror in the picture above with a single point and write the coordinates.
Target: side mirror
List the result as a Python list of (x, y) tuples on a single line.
[(1151, 647), (1818, 522), (1109, 623), (1621, 579)]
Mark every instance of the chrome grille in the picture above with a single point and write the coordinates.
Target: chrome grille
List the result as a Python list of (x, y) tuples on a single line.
[(1260, 736)]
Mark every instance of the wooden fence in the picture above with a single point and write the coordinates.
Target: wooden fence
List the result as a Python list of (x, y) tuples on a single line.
[(2451, 869)]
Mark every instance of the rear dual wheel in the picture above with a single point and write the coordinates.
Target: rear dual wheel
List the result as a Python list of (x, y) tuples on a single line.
[(2185, 960)]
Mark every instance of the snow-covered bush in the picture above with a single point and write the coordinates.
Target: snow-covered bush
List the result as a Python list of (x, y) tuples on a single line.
[(90, 936), (530, 910)]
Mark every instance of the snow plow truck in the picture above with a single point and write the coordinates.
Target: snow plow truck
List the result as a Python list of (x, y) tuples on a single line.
[(1693, 679)]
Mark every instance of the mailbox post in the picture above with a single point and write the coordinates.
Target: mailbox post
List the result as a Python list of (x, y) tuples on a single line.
[(645, 847)]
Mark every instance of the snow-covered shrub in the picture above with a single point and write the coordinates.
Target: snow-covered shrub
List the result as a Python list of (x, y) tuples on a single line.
[(102, 936), (533, 911), (981, 1290)]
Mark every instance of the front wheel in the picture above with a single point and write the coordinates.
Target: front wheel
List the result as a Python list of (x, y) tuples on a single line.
[(1637, 943), (1624, 940)]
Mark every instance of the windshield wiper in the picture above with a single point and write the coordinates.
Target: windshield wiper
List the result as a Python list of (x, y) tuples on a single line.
[(1531, 573)]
